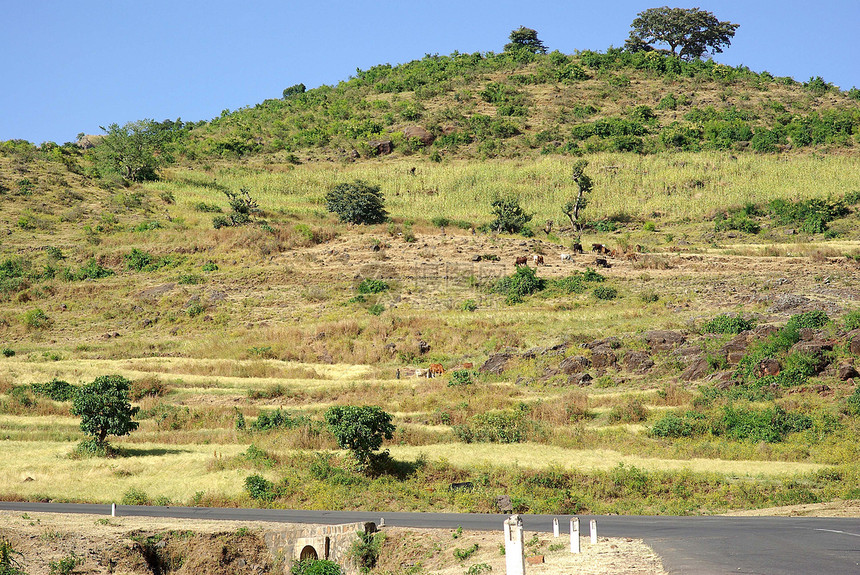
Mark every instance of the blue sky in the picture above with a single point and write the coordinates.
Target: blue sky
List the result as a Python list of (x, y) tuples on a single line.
[(70, 67)]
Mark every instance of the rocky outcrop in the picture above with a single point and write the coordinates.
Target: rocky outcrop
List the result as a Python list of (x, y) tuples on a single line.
[(664, 340)]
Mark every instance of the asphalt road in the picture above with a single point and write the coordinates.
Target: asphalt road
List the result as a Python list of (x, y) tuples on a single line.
[(687, 545)]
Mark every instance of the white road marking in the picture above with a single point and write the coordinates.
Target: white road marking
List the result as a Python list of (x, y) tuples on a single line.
[(836, 531)]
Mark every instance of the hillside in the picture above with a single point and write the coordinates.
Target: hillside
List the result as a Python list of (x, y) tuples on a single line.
[(702, 363)]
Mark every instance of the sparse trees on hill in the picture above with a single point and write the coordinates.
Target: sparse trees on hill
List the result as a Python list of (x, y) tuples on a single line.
[(583, 182), (695, 32), (525, 39), (136, 150), (360, 429)]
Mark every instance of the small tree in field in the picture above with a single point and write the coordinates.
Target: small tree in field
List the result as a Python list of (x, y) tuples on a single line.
[(135, 151), (573, 208), (104, 408), (510, 216), (357, 202), (694, 31), (360, 429)]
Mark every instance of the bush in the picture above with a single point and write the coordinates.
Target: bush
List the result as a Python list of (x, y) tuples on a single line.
[(278, 419), (510, 216), (672, 426), (522, 282), (360, 429), (850, 320), (8, 352), (769, 425), (364, 552), (368, 286), (511, 426), (56, 389), (460, 377), (260, 488), (315, 567), (605, 292), (92, 270), (135, 496), (357, 203), (138, 260), (811, 319), (36, 319), (728, 324), (469, 305)]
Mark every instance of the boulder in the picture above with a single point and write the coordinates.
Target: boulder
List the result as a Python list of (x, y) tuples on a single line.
[(580, 379), (638, 361), (735, 349), (696, 370), (767, 366), (575, 364), (854, 345), (846, 371), (610, 342), (420, 134), (503, 503), (495, 364), (806, 334), (380, 147), (603, 358), (663, 340)]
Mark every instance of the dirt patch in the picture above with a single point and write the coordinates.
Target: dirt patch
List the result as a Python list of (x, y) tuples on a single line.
[(433, 552), (838, 508)]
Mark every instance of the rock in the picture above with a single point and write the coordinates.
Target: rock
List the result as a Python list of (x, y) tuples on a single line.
[(603, 358), (735, 349), (663, 340), (580, 379), (156, 292), (610, 342), (638, 361), (575, 364), (503, 503), (821, 388), (533, 353), (476, 258), (846, 371), (854, 345), (806, 334), (787, 302), (146, 323), (381, 147), (534, 560), (696, 370), (495, 364), (420, 134), (423, 347), (767, 366)]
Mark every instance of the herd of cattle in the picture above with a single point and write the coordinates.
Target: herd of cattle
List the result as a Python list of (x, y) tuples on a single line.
[(599, 249)]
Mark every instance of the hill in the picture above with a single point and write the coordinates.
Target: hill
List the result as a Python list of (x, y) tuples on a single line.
[(703, 362)]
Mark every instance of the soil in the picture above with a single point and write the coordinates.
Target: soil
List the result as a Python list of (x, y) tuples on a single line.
[(838, 508), (147, 546)]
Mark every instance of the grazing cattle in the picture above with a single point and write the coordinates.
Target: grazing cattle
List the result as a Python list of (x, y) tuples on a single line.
[(577, 248), (566, 257), (537, 259), (435, 370), (421, 372), (521, 261), (601, 263), (600, 248)]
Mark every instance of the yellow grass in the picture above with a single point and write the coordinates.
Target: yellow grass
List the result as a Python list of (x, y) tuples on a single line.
[(542, 456), (173, 471)]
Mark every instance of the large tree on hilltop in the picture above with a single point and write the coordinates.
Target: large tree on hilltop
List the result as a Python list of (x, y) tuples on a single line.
[(525, 39), (689, 32)]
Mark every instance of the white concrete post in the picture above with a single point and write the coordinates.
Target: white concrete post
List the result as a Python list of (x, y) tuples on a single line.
[(593, 529), (515, 559), (555, 526), (113, 509), (574, 535)]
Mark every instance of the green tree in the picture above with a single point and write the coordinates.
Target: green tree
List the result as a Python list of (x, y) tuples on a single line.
[(525, 39), (357, 202), (695, 32), (136, 150), (584, 184), (104, 408), (360, 429), (510, 216)]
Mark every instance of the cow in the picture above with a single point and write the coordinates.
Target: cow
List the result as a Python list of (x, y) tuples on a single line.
[(537, 259), (521, 261), (601, 263), (421, 372), (600, 249), (435, 369), (577, 248), (566, 257)]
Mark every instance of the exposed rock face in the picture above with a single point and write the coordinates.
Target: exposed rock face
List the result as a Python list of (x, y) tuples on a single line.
[(610, 342), (767, 367), (420, 134), (846, 371), (735, 348), (854, 346), (575, 364), (696, 370), (580, 379), (603, 358), (663, 340), (495, 364), (638, 361)]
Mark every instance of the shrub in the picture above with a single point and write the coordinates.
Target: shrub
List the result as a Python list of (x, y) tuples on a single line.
[(92, 270), (671, 425), (469, 305), (728, 324), (9, 564), (8, 352), (852, 403), (850, 320), (357, 203), (56, 389), (210, 267), (260, 488), (278, 419), (510, 216), (360, 429), (460, 377), (138, 260), (315, 567), (768, 425), (605, 292), (135, 496), (631, 412), (364, 552), (811, 319), (368, 286), (376, 309), (66, 565), (511, 426), (463, 554), (36, 319), (207, 208), (522, 282)]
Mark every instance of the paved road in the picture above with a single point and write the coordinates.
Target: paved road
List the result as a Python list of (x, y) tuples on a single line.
[(687, 545)]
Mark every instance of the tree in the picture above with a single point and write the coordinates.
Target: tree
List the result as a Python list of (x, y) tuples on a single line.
[(360, 429), (525, 39), (692, 30), (583, 183), (357, 202), (104, 408), (136, 150), (510, 216)]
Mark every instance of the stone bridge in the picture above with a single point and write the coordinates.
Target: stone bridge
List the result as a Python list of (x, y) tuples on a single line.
[(297, 542)]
